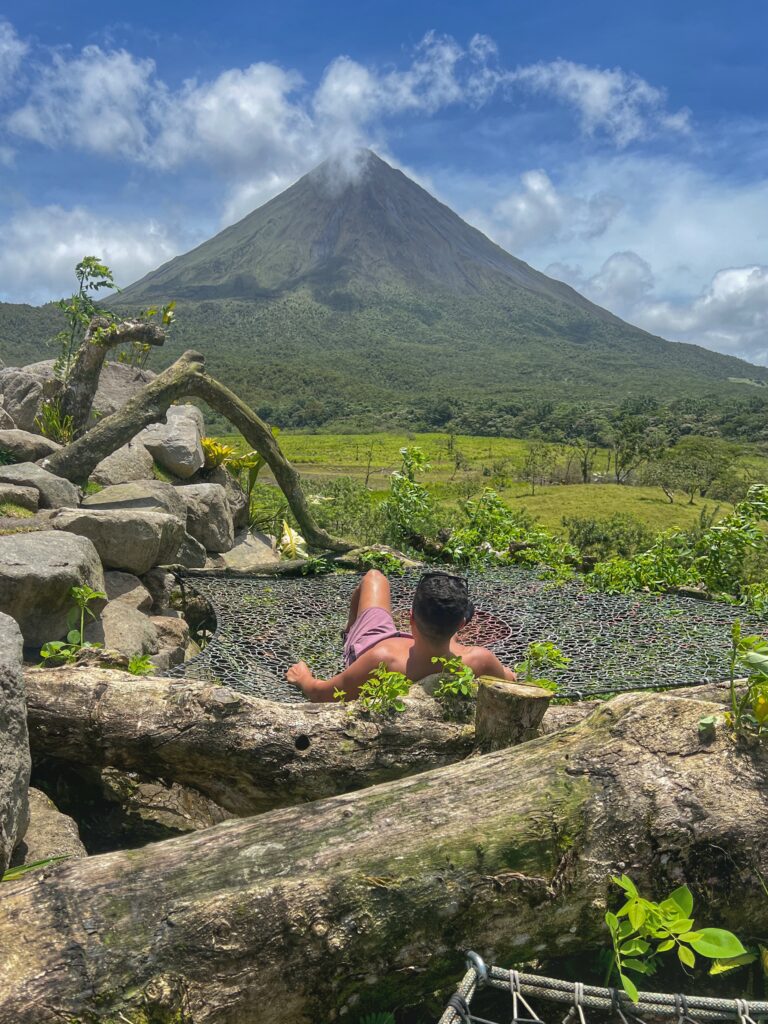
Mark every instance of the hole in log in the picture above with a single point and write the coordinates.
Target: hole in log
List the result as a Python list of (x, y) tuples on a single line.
[(302, 742)]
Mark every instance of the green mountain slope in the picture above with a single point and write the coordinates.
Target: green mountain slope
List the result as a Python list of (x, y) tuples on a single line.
[(360, 300)]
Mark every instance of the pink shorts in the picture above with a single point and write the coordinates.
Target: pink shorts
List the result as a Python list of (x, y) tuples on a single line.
[(368, 629)]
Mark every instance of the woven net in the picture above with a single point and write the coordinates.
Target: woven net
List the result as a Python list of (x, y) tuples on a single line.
[(264, 624)]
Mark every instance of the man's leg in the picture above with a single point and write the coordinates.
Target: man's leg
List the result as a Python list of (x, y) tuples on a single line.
[(372, 592)]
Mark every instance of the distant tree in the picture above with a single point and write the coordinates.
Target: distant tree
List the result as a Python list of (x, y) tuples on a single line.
[(692, 466), (634, 440), (585, 432), (538, 462)]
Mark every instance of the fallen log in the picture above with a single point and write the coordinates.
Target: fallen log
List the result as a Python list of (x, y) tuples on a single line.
[(185, 379), (246, 754), (365, 900)]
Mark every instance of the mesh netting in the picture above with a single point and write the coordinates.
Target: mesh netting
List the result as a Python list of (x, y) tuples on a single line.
[(265, 624)]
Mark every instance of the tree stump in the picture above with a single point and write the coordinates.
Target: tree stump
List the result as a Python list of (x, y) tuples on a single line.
[(507, 713)]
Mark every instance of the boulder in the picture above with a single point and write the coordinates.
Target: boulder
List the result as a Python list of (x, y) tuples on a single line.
[(54, 491), (172, 639), (160, 585), (132, 539), (176, 444), (37, 572), (191, 554), (250, 551), (24, 497), (6, 420), (143, 494), (131, 462), (125, 587), (49, 833), (117, 384), (22, 392), (27, 447), (236, 496), (122, 627), (209, 517), (15, 764)]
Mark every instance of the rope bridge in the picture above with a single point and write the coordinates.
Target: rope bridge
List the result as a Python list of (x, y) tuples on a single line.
[(604, 1002), (626, 642)]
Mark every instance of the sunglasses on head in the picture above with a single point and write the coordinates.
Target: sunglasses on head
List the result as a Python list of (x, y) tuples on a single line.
[(470, 608)]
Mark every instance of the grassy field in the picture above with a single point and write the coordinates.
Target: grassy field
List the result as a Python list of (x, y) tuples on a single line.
[(485, 461)]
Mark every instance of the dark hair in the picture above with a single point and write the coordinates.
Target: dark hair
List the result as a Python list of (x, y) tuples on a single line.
[(441, 603)]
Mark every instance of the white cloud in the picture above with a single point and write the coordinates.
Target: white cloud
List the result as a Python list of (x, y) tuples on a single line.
[(98, 102), (620, 104), (12, 51), (42, 245)]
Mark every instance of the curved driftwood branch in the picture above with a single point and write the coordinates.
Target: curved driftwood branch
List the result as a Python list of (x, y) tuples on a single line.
[(185, 378), (366, 900), (78, 393), (247, 755)]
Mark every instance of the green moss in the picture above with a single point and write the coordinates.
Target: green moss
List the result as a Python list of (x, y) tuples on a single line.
[(11, 510), (92, 487)]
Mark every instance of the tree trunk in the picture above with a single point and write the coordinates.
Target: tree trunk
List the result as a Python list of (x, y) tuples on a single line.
[(101, 336), (246, 754), (185, 378), (364, 901), (507, 713)]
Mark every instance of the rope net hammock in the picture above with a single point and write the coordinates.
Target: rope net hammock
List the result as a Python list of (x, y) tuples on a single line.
[(523, 990), (263, 624)]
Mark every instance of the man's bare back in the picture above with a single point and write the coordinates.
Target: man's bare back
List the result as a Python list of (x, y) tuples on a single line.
[(412, 654)]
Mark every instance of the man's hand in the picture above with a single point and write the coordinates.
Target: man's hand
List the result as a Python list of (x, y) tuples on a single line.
[(300, 675)]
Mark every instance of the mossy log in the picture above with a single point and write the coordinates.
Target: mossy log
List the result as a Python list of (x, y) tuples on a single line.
[(365, 900), (246, 754), (507, 713), (102, 335), (186, 379)]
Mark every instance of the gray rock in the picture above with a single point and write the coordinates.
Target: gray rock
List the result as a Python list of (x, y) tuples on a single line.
[(37, 572), (134, 540), (22, 391), (6, 420), (160, 585), (122, 627), (131, 462), (251, 551), (209, 517), (191, 554), (117, 384), (49, 833), (27, 447), (176, 444), (55, 492), (154, 495), (24, 497), (15, 764), (125, 587), (172, 638), (236, 496)]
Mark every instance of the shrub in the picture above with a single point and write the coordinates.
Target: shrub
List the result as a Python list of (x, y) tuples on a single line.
[(620, 534)]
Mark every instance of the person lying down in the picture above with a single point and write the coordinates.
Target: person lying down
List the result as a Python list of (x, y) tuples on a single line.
[(441, 606)]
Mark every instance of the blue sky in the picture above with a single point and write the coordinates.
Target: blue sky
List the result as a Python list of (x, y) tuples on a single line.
[(622, 148)]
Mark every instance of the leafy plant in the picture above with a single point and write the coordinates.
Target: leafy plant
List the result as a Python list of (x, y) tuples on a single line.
[(292, 543), (66, 651), (53, 424), (383, 691), (11, 874), (540, 656), (457, 680), (140, 665), (316, 565), (641, 930), (92, 276), (408, 510), (748, 715), (216, 453), (390, 565)]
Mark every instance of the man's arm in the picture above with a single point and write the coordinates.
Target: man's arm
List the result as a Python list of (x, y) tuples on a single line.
[(493, 667), (350, 680)]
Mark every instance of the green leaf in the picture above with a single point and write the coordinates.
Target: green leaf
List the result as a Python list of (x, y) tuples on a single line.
[(721, 966), (635, 946), (683, 896), (636, 965), (73, 636), (683, 924), (626, 884), (686, 956), (665, 945), (636, 914), (629, 987), (717, 944), (625, 929)]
